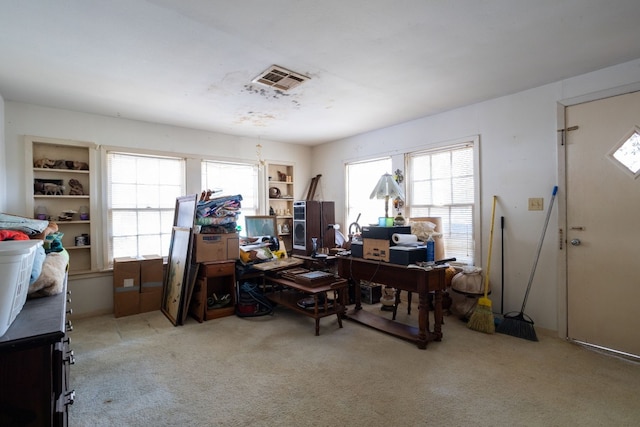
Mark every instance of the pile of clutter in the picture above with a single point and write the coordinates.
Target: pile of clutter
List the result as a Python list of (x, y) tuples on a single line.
[(217, 215)]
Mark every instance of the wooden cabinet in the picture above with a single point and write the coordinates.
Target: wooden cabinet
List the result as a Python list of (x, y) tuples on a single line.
[(280, 193), (216, 282), (61, 181), (34, 365)]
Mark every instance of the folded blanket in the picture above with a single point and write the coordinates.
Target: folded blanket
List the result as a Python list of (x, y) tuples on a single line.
[(26, 225), (225, 206), (34, 228)]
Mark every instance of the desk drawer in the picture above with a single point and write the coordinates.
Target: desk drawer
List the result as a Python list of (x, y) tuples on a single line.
[(217, 269)]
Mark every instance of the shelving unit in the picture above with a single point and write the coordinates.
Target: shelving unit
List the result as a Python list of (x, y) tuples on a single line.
[(219, 278), (70, 162), (280, 177)]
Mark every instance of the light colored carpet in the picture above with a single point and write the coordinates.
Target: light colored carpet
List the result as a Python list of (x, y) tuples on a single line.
[(273, 371)]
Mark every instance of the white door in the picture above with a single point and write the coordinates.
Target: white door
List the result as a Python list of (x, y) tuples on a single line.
[(603, 221)]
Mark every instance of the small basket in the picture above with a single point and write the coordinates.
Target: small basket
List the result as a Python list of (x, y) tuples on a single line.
[(16, 263)]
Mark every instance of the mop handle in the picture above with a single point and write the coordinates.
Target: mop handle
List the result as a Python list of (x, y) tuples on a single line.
[(535, 262), (493, 215), (502, 264)]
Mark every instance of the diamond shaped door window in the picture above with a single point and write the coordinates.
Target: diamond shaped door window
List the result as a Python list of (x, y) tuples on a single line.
[(626, 154)]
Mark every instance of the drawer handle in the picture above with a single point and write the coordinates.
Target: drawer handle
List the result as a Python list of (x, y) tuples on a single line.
[(71, 359), (71, 397), (69, 326)]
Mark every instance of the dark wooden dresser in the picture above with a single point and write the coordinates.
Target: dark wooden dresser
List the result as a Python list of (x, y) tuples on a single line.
[(34, 365)]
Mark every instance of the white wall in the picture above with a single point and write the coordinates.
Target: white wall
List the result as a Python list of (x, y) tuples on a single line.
[(518, 160), (93, 294)]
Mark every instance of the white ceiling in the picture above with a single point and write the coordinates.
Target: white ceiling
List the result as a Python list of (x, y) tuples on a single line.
[(372, 63)]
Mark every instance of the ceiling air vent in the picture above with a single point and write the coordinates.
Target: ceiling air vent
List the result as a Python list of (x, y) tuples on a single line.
[(280, 78)]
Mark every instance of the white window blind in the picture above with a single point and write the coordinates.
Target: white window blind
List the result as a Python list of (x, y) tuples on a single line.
[(232, 179), (361, 178), (141, 198), (442, 184)]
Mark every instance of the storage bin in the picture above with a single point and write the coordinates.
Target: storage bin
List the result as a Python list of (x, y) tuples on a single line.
[(405, 255), (16, 263), (370, 293), (357, 249)]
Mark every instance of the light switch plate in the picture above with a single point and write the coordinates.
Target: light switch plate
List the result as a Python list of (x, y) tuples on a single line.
[(536, 203)]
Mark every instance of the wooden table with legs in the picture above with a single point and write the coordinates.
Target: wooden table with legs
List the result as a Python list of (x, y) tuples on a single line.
[(418, 280), (328, 298)]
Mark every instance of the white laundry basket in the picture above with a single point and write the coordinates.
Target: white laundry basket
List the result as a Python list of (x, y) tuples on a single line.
[(16, 263)]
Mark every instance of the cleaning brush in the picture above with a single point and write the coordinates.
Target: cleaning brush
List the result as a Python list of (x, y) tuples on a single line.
[(482, 317)]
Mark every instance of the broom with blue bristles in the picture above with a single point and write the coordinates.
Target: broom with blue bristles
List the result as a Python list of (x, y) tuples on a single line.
[(482, 316)]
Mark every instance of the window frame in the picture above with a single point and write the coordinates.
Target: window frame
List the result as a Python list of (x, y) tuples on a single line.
[(192, 185), (107, 235), (258, 182), (368, 190), (474, 142)]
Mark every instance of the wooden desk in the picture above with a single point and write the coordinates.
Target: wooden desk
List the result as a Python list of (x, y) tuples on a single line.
[(289, 293), (400, 277)]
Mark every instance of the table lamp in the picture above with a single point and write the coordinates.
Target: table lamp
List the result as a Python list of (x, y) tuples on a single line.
[(386, 188)]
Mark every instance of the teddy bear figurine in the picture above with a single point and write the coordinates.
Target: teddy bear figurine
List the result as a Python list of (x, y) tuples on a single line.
[(388, 297), (76, 188)]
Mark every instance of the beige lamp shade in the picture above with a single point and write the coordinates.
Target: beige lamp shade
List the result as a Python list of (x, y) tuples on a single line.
[(386, 188)]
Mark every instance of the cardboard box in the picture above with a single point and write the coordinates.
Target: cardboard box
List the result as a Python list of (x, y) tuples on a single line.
[(405, 255), (151, 274), (370, 293), (376, 249), (126, 286), (384, 233), (216, 247), (126, 273), (126, 301), (151, 283), (151, 301)]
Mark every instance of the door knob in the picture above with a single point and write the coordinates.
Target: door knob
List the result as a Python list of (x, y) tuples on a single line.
[(575, 242)]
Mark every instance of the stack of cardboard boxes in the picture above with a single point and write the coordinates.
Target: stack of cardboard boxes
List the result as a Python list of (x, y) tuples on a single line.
[(137, 285), (138, 282), (216, 247)]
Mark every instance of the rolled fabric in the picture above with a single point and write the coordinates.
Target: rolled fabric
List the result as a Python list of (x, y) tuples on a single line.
[(404, 239)]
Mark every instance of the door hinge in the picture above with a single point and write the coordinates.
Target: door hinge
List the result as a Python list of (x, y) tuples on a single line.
[(565, 130)]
